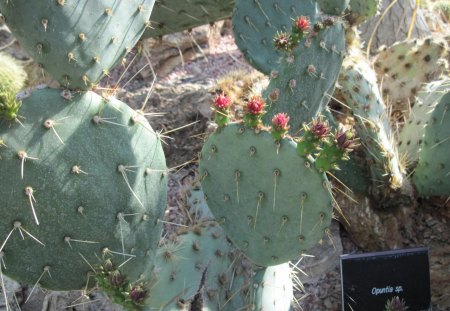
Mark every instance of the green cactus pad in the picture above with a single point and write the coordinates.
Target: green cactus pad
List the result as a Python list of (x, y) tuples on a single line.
[(305, 79), (274, 288), (271, 202), (360, 92), (256, 22), (404, 67), (86, 177), (411, 135), (432, 174), (361, 10), (333, 7), (77, 43), (170, 16)]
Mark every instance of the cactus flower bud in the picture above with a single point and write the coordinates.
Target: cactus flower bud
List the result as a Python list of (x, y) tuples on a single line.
[(283, 41), (302, 24), (279, 125), (254, 111), (222, 102), (222, 105), (138, 293)]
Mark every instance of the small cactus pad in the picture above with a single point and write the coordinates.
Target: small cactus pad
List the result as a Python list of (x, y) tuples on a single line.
[(304, 80), (361, 10), (83, 179), (405, 66), (170, 16), (432, 174), (256, 22), (333, 7), (271, 202), (273, 288), (411, 135), (77, 42)]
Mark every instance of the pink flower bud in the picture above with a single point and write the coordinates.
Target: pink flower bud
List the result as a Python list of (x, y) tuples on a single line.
[(255, 105)]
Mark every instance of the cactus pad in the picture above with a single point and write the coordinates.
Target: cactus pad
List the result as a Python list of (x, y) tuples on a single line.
[(333, 7), (256, 22), (405, 66), (411, 135), (304, 81), (432, 174), (361, 10), (274, 288), (171, 16), (83, 179), (360, 92), (77, 43), (271, 202)]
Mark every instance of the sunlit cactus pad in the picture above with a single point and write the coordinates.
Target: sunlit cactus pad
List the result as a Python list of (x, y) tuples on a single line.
[(271, 202), (77, 42), (170, 16), (83, 179)]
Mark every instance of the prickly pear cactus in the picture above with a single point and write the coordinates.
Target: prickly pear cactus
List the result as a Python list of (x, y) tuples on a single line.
[(12, 79), (411, 135), (404, 67), (432, 174), (271, 202), (83, 180), (333, 7), (303, 82), (77, 43), (361, 10), (274, 288), (360, 92), (171, 16), (255, 23)]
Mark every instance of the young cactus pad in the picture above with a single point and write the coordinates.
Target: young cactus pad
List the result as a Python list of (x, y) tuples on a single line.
[(77, 42), (304, 80), (271, 202), (274, 288), (333, 7), (83, 179), (256, 22), (171, 16)]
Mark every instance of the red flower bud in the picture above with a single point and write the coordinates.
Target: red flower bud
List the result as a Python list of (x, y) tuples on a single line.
[(280, 121), (222, 102), (255, 105)]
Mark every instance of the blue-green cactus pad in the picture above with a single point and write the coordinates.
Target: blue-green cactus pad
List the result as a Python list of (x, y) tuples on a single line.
[(271, 202), (255, 23), (170, 16), (77, 42), (87, 209)]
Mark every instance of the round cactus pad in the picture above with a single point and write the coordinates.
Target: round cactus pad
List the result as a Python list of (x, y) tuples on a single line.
[(272, 203), (83, 180)]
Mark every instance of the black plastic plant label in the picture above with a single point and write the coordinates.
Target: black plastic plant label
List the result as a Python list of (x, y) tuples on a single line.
[(385, 281)]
